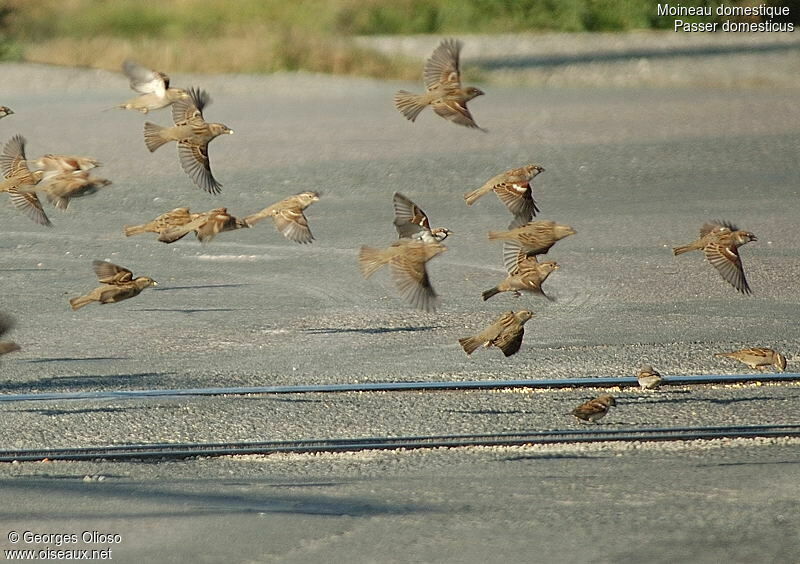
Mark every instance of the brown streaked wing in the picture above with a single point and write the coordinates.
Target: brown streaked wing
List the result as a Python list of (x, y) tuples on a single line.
[(144, 80), (194, 160), (409, 219), (29, 204), (412, 282), (110, 273), (442, 68), (191, 108), (12, 160), (455, 112), (510, 340), (518, 198), (727, 262), (293, 225)]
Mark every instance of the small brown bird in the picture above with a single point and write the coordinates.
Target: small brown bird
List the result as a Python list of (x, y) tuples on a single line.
[(193, 134), (535, 238), (505, 333), (649, 378), (758, 358), (206, 226), (5, 111), (6, 324), (412, 223), (595, 409), (514, 189), (153, 87), (406, 259), (61, 188), (18, 177), (444, 92), (118, 284), (165, 221), (527, 274), (720, 241), (288, 216)]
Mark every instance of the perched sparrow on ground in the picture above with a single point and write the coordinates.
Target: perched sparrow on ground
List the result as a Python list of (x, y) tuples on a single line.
[(649, 378), (118, 284), (18, 177), (528, 275), (6, 324), (535, 238), (165, 221), (758, 358), (406, 259), (594, 409), (193, 134), (720, 242), (412, 223), (505, 333), (443, 88), (514, 189), (5, 111), (205, 225), (61, 188), (288, 216), (153, 87)]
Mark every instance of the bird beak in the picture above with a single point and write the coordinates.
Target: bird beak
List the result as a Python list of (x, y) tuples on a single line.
[(155, 283), (230, 132)]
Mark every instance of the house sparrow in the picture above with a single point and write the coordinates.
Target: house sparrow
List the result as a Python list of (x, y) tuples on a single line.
[(444, 93), (6, 324), (193, 134), (758, 358), (406, 259), (165, 221), (205, 225), (412, 223), (118, 284), (61, 188), (53, 165), (514, 189), (17, 177), (527, 274), (649, 378), (5, 111), (720, 242), (535, 238), (594, 409), (288, 216), (153, 87), (505, 333)]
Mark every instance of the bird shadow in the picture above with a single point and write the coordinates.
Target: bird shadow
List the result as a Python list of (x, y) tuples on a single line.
[(372, 330), (552, 456), (714, 401), (86, 410), (78, 382), (73, 359), (190, 310), (26, 269), (773, 462), (487, 411), (198, 287)]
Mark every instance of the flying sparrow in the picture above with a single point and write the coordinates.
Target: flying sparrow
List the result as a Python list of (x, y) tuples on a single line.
[(649, 378), (406, 259), (18, 177), (758, 358), (594, 409), (5, 111), (61, 188), (412, 223), (443, 88), (514, 189), (205, 225), (193, 134), (153, 87), (526, 274), (288, 216), (54, 165), (165, 221), (720, 242), (535, 238), (505, 333), (6, 324), (118, 284)]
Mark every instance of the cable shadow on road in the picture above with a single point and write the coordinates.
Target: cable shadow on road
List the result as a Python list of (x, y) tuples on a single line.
[(80, 411), (77, 383), (73, 359), (192, 310)]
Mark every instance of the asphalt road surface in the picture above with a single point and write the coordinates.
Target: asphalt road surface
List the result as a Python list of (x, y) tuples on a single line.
[(634, 170)]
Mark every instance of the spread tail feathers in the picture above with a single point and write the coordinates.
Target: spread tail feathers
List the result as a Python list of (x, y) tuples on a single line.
[(489, 293), (152, 136), (369, 260), (469, 344), (410, 105)]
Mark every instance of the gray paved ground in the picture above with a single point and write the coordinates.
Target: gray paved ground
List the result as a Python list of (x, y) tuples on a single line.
[(634, 170)]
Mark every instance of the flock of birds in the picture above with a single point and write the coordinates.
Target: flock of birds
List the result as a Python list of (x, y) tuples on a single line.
[(61, 178)]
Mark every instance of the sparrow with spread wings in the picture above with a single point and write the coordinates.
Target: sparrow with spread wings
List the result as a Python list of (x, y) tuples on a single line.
[(117, 282), (444, 92), (162, 223), (153, 87), (525, 274), (514, 189), (18, 180), (535, 238), (412, 223), (505, 333), (206, 226), (288, 216)]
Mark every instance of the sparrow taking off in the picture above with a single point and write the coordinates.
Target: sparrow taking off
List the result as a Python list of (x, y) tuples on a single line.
[(412, 223), (193, 134), (535, 238), (443, 88), (514, 189), (153, 87), (18, 177), (5, 111), (118, 284), (205, 225), (6, 324), (505, 333), (594, 409), (288, 216), (165, 221), (61, 188), (758, 358), (720, 241), (53, 165), (649, 378), (406, 259), (525, 275)]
